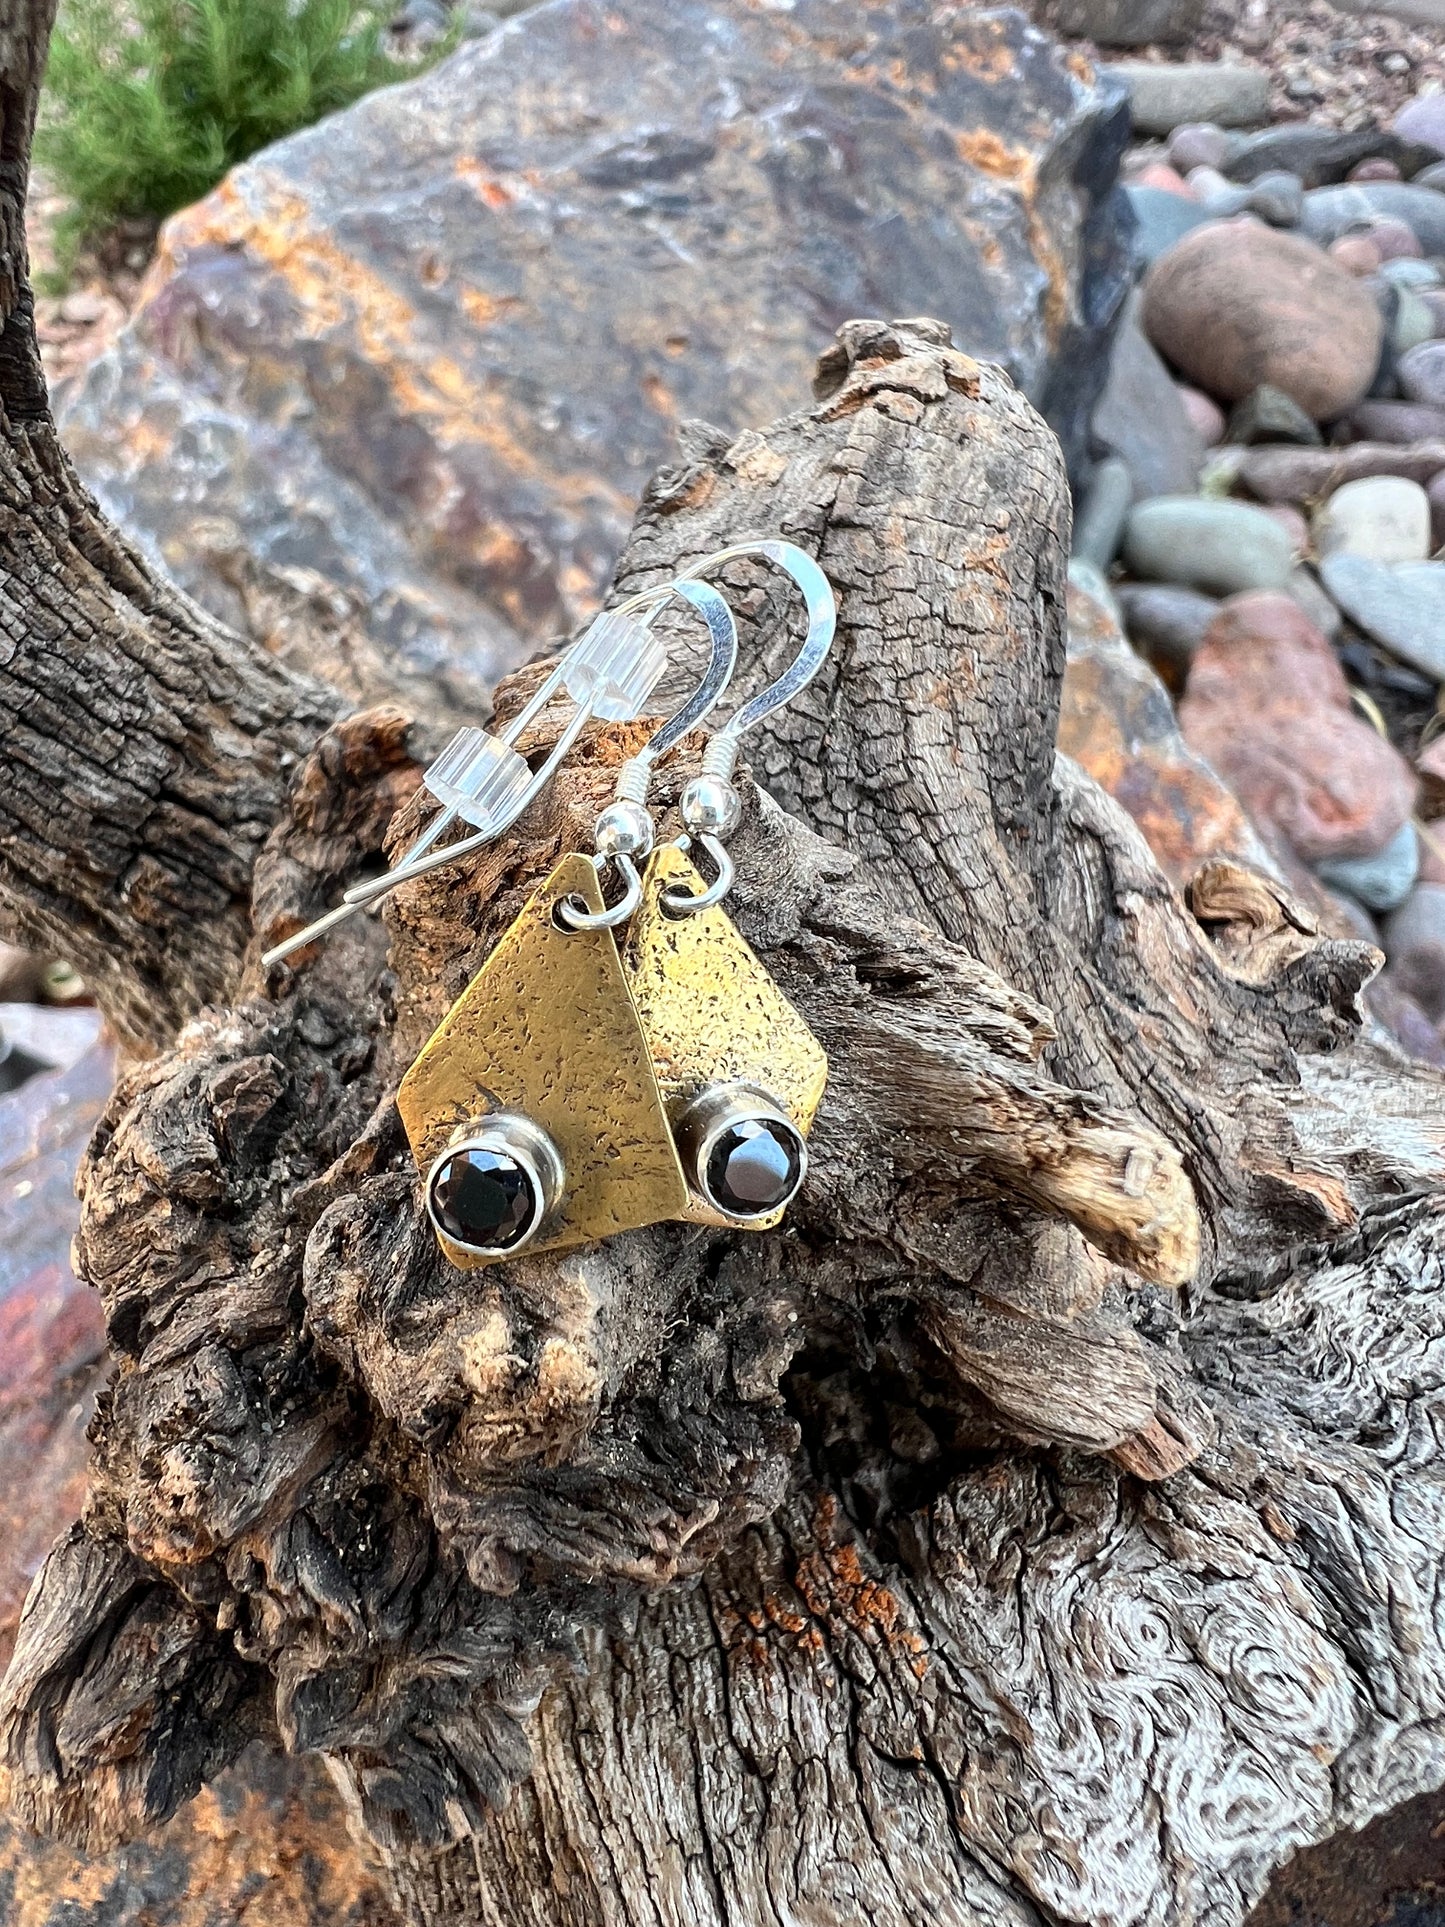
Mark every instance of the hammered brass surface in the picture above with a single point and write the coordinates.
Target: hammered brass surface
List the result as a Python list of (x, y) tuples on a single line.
[(710, 1012), (547, 1027)]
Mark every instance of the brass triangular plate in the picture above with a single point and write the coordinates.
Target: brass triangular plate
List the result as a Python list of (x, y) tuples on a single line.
[(547, 1027), (710, 1012)]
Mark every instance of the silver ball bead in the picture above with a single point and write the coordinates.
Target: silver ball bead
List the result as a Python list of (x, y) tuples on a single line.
[(624, 829), (710, 806)]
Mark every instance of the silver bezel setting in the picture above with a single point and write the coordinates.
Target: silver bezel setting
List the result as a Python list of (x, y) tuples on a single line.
[(708, 1116), (515, 1136)]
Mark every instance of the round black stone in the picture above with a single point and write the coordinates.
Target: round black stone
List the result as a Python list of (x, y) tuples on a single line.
[(482, 1198), (754, 1167)]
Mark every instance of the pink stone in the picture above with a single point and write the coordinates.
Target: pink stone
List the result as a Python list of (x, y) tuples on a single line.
[(1356, 254), (1294, 524), (1161, 174), (1235, 305), (1284, 474), (1395, 240), (1268, 706), (1205, 416), (1401, 422), (1376, 168)]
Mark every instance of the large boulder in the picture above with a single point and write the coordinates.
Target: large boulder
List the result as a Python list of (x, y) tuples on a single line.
[(432, 348)]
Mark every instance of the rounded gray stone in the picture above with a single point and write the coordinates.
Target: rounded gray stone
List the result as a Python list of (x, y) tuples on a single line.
[(1163, 97), (1402, 606), (1421, 373), (1382, 881), (1305, 589), (1100, 516), (1165, 622), (1277, 198), (1163, 218), (1222, 548), (1413, 322), (1329, 211), (1423, 119), (1200, 143), (1270, 415), (1408, 272)]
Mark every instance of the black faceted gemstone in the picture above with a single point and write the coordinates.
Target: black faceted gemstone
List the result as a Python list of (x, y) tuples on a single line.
[(754, 1167), (482, 1198)]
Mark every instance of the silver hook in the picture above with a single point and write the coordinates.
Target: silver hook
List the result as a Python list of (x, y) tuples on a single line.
[(625, 828), (710, 807), (609, 672)]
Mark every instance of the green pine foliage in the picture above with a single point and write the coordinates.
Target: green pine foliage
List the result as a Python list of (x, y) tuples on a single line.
[(149, 103)]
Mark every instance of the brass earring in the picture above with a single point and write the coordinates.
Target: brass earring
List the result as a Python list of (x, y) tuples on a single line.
[(533, 1111), (741, 1074)]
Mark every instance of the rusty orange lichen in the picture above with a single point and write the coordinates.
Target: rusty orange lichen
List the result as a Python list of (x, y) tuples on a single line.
[(332, 287), (484, 309), (489, 190), (983, 149), (834, 1587), (658, 396)]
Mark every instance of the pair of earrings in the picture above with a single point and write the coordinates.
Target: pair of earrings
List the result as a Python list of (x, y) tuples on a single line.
[(614, 1064)]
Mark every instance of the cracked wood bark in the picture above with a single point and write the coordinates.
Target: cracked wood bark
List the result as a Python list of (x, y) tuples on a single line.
[(927, 1561)]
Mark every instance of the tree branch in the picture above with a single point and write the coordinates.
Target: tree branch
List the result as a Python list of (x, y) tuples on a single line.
[(148, 750)]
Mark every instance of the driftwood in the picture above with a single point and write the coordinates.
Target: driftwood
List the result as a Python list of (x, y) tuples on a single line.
[(1046, 1524)]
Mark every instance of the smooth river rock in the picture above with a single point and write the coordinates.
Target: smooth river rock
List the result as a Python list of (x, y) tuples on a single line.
[(1116, 720), (1100, 514), (1329, 211), (1235, 305), (1163, 218), (1282, 474), (1268, 705), (1435, 495), (1166, 624), (1219, 547), (1127, 23), (1201, 143), (1382, 881), (1270, 415), (1423, 120), (434, 347), (1278, 198), (1402, 607), (1319, 155), (1144, 418), (1402, 422), (1421, 373), (1383, 517), (1408, 272), (1163, 96)]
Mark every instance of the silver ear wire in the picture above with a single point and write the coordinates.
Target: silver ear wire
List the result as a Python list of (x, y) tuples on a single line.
[(625, 829), (709, 806), (610, 672)]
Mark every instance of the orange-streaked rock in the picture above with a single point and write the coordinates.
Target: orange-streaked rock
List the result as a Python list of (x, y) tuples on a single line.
[(1117, 721)]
